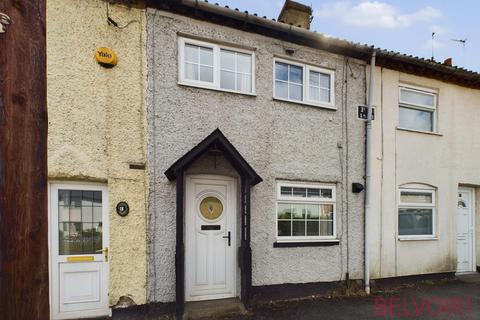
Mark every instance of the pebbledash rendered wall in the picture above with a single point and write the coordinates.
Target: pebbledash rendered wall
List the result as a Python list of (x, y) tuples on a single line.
[(97, 123), (444, 160), (281, 140)]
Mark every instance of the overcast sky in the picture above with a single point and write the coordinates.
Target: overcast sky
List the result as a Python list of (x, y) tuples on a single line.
[(399, 25)]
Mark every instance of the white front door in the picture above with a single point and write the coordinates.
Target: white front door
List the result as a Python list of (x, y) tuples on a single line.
[(465, 231), (78, 251), (210, 237)]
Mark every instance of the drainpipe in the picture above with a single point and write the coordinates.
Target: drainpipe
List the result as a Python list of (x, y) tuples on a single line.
[(368, 172)]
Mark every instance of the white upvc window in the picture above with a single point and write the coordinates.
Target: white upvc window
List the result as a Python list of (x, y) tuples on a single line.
[(302, 83), (305, 212), (417, 109), (416, 213), (214, 66)]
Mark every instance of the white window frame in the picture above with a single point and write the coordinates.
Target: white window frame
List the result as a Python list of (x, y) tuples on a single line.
[(420, 107), (280, 198), (215, 85), (409, 205), (306, 85)]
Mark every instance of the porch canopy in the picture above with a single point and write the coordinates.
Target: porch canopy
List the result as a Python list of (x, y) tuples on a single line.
[(217, 141)]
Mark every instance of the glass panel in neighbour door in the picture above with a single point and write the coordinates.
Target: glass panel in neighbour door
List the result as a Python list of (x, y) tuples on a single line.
[(79, 222)]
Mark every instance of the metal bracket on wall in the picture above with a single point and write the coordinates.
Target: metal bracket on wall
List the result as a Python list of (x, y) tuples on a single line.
[(4, 21)]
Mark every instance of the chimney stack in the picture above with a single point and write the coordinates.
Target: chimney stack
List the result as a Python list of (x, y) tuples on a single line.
[(296, 14), (448, 62)]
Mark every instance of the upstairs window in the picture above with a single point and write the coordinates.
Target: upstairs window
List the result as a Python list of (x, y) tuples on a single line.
[(303, 83), (416, 213), (235, 71), (305, 212), (198, 63), (215, 67), (288, 81), (417, 109)]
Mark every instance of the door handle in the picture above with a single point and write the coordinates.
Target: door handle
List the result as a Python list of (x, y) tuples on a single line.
[(105, 253), (229, 238)]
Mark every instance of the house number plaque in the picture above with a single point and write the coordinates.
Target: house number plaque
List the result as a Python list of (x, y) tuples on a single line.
[(211, 208), (122, 209)]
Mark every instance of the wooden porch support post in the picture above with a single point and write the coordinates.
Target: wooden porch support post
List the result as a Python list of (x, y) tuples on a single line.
[(24, 283), (245, 249), (180, 248)]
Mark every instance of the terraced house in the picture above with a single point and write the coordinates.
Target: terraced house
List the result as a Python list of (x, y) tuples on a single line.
[(425, 174), (254, 145), (96, 150), (211, 154)]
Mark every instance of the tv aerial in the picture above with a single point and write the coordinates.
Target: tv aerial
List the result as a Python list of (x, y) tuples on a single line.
[(463, 42)]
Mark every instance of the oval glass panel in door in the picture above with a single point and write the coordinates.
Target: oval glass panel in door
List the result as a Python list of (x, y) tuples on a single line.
[(211, 208)]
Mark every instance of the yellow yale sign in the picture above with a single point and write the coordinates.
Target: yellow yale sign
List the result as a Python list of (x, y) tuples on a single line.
[(106, 57)]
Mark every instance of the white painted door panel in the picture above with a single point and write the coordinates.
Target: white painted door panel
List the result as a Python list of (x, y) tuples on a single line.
[(465, 225), (80, 283), (209, 255), (79, 263)]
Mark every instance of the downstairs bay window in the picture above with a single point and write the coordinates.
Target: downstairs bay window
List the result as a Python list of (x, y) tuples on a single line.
[(305, 212)]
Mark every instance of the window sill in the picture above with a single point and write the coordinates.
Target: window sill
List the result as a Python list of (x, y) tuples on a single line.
[(318, 105), (322, 243), (420, 131), (197, 85), (418, 238)]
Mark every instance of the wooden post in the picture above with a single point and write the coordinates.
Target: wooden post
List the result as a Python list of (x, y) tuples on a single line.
[(24, 284), (245, 248), (180, 248)]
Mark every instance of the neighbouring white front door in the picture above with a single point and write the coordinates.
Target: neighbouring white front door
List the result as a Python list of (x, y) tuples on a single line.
[(78, 251), (465, 231), (210, 237)]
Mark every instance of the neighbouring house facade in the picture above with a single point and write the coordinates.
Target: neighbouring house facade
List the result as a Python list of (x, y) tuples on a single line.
[(97, 131), (426, 176), (223, 156), (254, 144)]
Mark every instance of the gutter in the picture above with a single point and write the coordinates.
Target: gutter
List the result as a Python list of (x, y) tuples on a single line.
[(368, 172)]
